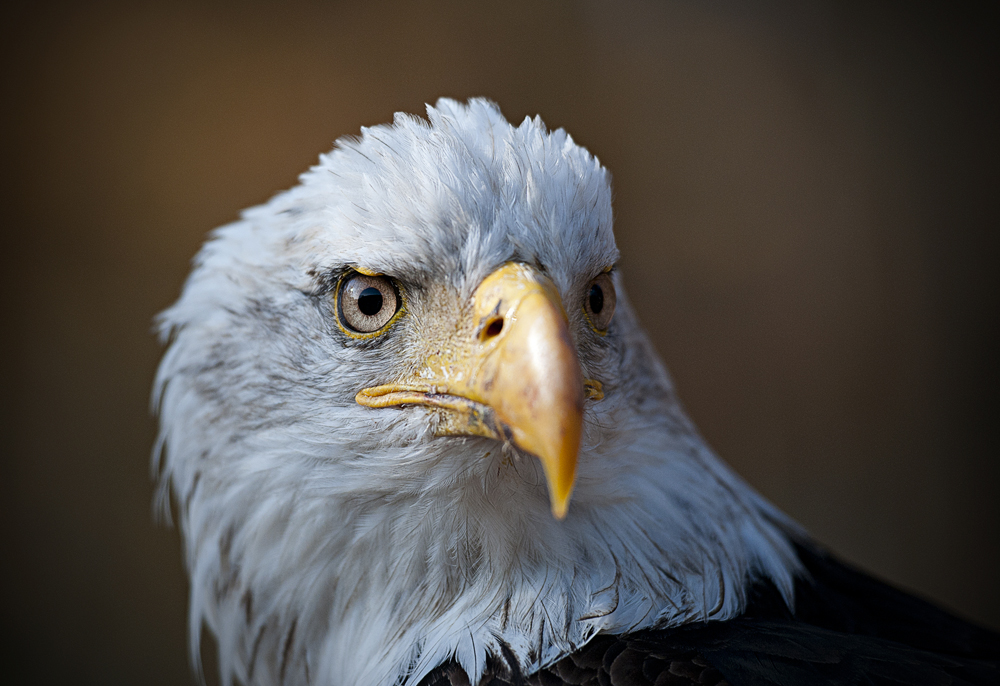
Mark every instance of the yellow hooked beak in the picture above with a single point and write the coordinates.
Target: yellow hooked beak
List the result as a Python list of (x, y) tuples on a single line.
[(514, 375)]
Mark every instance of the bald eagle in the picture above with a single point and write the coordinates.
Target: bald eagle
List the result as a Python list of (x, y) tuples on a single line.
[(416, 435)]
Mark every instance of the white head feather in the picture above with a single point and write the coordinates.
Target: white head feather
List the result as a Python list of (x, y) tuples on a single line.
[(332, 543)]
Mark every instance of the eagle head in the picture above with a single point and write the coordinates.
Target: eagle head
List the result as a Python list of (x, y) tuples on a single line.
[(408, 415)]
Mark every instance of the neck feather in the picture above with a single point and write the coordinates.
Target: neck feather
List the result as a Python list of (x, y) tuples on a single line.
[(381, 586)]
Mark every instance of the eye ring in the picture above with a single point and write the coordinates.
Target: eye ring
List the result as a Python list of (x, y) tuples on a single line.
[(366, 304), (599, 300)]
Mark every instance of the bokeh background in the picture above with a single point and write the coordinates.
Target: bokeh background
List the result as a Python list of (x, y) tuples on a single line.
[(807, 207)]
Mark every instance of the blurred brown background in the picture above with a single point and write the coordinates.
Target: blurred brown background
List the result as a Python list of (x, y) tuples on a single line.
[(807, 202)]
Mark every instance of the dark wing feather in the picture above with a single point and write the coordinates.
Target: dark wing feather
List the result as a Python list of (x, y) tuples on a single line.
[(847, 600), (847, 628)]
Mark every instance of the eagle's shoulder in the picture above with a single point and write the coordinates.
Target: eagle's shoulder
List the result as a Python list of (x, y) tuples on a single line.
[(847, 628), (838, 597)]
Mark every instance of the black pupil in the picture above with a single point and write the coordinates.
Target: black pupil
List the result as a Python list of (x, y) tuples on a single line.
[(370, 301), (596, 299)]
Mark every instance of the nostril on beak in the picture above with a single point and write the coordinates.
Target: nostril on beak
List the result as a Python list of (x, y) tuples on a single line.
[(493, 329)]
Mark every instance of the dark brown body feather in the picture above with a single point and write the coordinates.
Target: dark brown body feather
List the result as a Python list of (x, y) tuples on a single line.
[(847, 628)]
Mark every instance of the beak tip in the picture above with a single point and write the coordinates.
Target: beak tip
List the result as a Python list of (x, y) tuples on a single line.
[(559, 503), (560, 474)]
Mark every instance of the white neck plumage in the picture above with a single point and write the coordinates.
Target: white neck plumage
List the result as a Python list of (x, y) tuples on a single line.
[(379, 586)]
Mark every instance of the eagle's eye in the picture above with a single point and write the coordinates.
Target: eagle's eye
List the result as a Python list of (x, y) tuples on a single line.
[(599, 303), (366, 304)]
